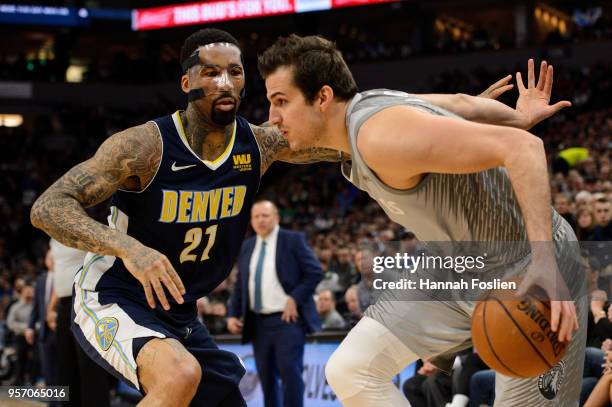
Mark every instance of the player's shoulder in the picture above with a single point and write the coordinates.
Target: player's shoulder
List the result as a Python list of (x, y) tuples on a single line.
[(137, 141), (143, 132), (135, 153), (380, 97)]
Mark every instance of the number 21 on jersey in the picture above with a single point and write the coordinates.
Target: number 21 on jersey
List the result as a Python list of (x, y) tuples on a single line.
[(194, 237)]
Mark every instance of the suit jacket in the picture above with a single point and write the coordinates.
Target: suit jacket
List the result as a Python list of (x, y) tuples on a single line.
[(298, 271), (39, 309)]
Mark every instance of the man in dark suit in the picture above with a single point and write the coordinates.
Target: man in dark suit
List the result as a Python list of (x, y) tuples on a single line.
[(277, 277), (38, 330)]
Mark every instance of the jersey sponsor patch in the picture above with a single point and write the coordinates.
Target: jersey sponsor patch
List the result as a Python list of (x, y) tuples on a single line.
[(550, 382), (242, 162), (106, 329)]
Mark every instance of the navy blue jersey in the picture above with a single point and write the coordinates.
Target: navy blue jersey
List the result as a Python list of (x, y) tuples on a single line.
[(193, 211)]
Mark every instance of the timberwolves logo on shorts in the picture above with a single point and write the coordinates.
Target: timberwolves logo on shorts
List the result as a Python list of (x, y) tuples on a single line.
[(549, 383), (106, 329)]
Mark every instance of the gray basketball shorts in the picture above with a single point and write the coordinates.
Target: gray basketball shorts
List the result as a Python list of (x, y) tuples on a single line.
[(438, 330)]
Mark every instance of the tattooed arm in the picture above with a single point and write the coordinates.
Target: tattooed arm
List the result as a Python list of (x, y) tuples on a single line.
[(274, 147), (125, 160)]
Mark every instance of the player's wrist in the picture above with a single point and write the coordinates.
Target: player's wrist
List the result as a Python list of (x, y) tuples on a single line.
[(127, 246)]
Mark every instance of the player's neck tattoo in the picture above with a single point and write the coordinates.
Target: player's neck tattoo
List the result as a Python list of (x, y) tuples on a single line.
[(206, 140)]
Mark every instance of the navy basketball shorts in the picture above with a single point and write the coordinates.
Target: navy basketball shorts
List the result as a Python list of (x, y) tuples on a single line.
[(112, 328)]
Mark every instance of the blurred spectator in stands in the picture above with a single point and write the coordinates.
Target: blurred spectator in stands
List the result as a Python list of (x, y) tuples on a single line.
[(584, 223), (212, 313), (222, 292), (602, 327), (602, 209), (352, 304), (563, 206), (482, 388), (599, 331), (16, 292), (408, 242), (364, 260), (17, 322), (568, 158), (429, 387), (326, 306), (345, 269), (601, 396), (38, 331), (471, 363), (203, 306), (330, 279)]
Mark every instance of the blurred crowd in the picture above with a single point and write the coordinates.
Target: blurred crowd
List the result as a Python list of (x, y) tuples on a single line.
[(342, 224), (382, 35)]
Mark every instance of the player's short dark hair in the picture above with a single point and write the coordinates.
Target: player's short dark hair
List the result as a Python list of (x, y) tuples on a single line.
[(205, 37), (315, 61)]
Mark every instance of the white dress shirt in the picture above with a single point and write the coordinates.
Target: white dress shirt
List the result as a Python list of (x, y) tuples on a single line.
[(273, 296), (67, 261)]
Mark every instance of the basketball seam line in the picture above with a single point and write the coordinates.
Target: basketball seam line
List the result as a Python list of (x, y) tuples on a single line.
[(524, 334), (486, 332)]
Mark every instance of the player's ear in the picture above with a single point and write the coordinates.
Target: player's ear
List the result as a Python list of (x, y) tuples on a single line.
[(325, 97), (185, 83)]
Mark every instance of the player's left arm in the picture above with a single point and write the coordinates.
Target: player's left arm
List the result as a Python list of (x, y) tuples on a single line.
[(417, 143), (274, 147), (532, 106)]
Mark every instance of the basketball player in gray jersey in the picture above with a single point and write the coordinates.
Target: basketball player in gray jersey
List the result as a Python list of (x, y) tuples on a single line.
[(446, 179)]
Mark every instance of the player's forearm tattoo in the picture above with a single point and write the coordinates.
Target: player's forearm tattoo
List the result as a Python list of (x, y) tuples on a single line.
[(127, 160), (274, 147)]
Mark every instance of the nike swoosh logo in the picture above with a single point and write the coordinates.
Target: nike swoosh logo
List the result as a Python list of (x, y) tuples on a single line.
[(181, 167)]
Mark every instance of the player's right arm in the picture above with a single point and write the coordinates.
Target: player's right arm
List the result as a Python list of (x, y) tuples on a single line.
[(126, 160), (401, 144)]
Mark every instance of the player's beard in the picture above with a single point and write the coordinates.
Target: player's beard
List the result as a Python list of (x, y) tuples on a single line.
[(223, 118), (220, 117)]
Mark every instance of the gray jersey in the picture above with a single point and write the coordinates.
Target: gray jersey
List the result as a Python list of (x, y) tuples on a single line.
[(477, 207)]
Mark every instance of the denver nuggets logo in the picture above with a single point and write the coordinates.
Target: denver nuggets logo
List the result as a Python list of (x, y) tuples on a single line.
[(242, 162), (106, 329)]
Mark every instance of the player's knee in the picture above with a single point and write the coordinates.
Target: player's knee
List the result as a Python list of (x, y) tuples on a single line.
[(341, 372), (186, 375)]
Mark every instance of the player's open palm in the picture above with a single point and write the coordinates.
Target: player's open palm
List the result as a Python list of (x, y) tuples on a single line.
[(533, 104), (154, 271), (544, 273)]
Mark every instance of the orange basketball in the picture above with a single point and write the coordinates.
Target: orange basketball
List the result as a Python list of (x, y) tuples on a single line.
[(514, 337)]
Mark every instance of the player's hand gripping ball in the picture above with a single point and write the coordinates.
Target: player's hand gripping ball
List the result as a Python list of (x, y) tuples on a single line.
[(513, 335)]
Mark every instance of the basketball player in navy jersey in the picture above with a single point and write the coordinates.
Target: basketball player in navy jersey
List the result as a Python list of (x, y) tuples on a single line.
[(182, 187)]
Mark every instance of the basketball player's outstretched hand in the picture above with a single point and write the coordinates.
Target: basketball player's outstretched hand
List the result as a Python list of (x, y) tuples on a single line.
[(154, 271), (498, 88), (545, 274), (533, 103)]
